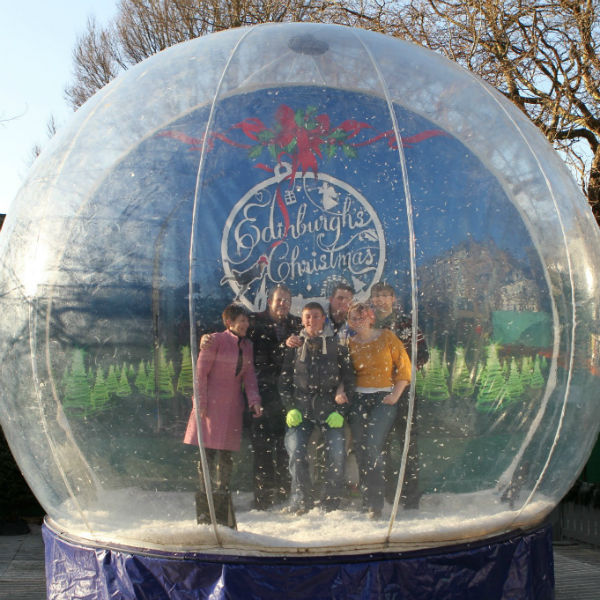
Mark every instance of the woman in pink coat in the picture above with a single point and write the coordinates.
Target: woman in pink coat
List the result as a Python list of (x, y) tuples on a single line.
[(223, 366)]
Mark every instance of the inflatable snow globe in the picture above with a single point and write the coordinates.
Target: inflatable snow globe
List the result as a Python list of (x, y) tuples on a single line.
[(284, 172)]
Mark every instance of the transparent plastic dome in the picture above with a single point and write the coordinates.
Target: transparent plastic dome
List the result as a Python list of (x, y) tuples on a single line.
[(303, 155)]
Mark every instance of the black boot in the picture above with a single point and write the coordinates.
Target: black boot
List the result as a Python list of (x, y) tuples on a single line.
[(202, 511), (224, 512)]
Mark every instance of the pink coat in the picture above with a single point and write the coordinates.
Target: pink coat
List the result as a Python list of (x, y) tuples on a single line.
[(220, 392)]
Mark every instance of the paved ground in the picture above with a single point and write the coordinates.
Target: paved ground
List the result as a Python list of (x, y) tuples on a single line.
[(22, 577), (576, 571)]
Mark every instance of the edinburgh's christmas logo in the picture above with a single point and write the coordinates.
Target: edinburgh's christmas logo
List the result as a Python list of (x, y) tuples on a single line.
[(316, 230), (300, 226)]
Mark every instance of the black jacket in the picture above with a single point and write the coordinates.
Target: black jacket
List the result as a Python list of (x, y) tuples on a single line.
[(311, 374), (268, 349)]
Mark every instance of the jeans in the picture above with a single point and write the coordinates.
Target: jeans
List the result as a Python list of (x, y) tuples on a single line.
[(296, 443), (370, 423)]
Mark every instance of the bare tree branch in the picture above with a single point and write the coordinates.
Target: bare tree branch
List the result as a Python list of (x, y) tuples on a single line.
[(544, 55)]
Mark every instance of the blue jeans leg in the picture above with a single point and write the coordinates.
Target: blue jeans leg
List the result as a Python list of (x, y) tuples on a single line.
[(358, 420), (296, 444), (335, 454), (379, 425), (370, 424)]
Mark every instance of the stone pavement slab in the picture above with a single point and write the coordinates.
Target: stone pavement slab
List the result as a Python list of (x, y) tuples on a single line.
[(576, 571), (22, 569)]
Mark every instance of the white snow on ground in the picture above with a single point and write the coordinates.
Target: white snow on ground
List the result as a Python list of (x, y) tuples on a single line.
[(166, 521)]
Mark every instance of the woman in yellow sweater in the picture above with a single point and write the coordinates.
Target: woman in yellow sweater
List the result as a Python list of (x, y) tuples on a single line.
[(383, 371)]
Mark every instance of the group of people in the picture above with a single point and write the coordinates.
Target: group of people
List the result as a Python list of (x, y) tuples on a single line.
[(349, 364)]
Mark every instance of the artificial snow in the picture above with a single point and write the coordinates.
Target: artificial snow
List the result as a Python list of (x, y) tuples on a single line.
[(168, 523)]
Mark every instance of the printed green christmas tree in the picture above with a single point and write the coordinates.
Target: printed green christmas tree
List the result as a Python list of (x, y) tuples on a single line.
[(492, 383), (462, 387), (537, 379), (435, 387), (514, 387), (491, 357), (141, 378), (123, 389), (112, 383), (150, 386), (99, 396), (526, 372), (77, 389), (445, 370), (185, 383), (165, 378)]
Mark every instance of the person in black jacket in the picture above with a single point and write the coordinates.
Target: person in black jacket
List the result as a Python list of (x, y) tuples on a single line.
[(316, 380), (268, 331)]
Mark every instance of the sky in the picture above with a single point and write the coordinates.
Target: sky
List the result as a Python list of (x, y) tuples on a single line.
[(37, 39)]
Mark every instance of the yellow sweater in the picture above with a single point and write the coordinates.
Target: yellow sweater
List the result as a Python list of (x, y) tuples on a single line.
[(380, 363)]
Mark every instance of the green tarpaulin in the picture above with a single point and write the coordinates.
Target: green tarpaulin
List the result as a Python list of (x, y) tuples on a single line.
[(522, 328)]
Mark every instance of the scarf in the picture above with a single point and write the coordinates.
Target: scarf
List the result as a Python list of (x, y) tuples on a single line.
[(309, 340)]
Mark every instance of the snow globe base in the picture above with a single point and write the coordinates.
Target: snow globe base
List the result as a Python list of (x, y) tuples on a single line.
[(519, 565)]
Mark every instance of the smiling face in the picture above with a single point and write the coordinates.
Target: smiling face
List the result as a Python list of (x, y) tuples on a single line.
[(279, 304), (313, 321), (361, 319), (239, 325), (383, 302)]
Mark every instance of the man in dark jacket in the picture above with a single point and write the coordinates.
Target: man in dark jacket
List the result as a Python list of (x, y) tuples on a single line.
[(268, 332), (316, 379), (339, 303)]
